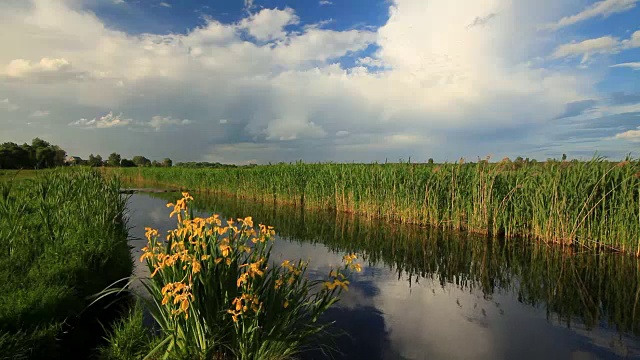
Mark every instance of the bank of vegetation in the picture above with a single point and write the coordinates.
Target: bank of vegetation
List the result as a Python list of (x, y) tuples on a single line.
[(63, 238), (594, 203)]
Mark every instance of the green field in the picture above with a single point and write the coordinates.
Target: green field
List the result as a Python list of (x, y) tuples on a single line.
[(17, 175), (594, 204), (63, 239)]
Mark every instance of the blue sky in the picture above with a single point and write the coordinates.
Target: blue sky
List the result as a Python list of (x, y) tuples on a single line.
[(357, 80)]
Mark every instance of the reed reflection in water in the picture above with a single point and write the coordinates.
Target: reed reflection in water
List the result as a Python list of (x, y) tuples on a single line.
[(433, 294)]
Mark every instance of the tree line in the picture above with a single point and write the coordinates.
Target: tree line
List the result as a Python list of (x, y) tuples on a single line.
[(40, 154), (37, 155)]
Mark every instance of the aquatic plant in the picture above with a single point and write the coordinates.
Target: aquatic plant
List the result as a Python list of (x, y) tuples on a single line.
[(592, 288), (593, 204), (215, 292)]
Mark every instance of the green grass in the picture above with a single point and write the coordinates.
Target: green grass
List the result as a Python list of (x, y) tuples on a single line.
[(594, 203), (62, 238), (129, 338), (17, 175)]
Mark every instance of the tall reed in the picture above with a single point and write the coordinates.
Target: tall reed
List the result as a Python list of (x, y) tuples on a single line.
[(594, 203), (62, 238)]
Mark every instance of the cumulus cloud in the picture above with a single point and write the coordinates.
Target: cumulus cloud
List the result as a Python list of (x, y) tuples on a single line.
[(8, 105), (269, 24), (602, 8), (631, 65), (326, 2), (631, 135), (429, 80), (47, 69), (165, 4), (633, 41), (103, 122)]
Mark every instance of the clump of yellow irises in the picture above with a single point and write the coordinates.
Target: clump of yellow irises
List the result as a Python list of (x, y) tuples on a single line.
[(214, 283)]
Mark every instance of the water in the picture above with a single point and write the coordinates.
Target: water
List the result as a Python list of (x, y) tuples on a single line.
[(425, 294)]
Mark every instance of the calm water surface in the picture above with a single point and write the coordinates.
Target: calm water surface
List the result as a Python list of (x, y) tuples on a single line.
[(425, 294)]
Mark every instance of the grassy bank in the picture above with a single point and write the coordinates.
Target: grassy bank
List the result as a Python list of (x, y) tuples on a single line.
[(62, 239), (594, 203)]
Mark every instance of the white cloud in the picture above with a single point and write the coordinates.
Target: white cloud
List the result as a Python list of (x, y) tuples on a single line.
[(326, 2), (269, 24), (103, 122), (438, 79), (286, 129), (165, 4), (633, 41), (368, 61), (158, 122), (587, 48), (631, 135), (47, 69), (8, 105), (223, 121), (39, 114), (631, 65), (602, 8), (118, 2)]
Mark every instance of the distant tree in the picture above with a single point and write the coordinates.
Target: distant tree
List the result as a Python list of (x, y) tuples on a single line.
[(13, 156), (44, 153), (114, 160), (60, 156), (141, 161), (94, 161), (564, 157), (167, 162), (127, 163), (155, 163), (40, 154), (430, 161)]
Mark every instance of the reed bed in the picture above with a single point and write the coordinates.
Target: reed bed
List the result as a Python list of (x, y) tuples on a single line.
[(593, 204), (62, 239), (573, 285)]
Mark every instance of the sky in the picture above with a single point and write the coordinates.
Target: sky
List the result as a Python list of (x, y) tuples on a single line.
[(323, 80)]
